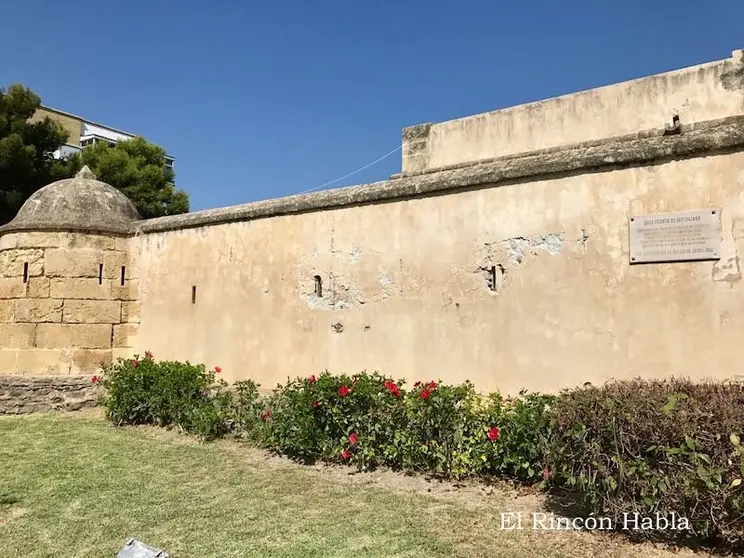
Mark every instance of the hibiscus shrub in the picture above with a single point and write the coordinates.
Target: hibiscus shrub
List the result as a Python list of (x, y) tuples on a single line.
[(653, 446), (370, 420), (165, 393), (243, 408), (324, 417)]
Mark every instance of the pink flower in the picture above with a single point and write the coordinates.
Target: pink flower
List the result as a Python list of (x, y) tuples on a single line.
[(312, 379), (494, 433), (343, 391), (425, 394), (148, 354), (266, 415), (547, 473), (353, 439), (345, 454), (135, 363), (316, 404), (217, 369), (432, 385), (95, 379)]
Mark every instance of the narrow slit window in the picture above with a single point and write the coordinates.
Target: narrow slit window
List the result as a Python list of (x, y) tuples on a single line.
[(492, 278), (318, 286), (193, 294), (123, 274), (25, 272), (100, 274)]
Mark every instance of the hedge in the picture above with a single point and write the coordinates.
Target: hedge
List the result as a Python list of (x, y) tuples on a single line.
[(635, 446)]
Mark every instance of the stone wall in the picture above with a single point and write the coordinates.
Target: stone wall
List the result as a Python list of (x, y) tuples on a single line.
[(693, 95), (19, 395), (512, 274), (68, 302)]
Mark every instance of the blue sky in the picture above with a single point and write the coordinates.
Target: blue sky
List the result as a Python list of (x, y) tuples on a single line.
[(265, 99)]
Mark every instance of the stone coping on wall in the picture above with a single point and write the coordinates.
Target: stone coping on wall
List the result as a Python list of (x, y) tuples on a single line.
[(643, 148)]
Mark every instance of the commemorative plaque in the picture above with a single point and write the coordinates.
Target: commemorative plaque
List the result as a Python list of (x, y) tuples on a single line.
[(675, 237)]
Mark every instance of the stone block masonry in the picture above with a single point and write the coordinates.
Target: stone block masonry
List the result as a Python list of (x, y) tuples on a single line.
[(20, 395), (61, 309)]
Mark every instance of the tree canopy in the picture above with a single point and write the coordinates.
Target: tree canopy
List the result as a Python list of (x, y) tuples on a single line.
[(136, 167), (26, 161)]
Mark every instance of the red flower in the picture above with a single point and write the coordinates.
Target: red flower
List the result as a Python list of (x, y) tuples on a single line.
[(392, 387), (135, 363), (432, 385), (316, 404), (312, 379), (353, 439), (148, 354), (343, 391), (217, 369), (425, 394), (494, 433), (266, 415), (547, 473), (95, 379), (345, 454)]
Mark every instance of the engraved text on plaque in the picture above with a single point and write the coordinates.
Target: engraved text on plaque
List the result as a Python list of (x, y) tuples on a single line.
[(669, 237)]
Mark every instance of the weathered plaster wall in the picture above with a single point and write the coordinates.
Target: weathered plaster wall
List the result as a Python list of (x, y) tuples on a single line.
[(697, 94), (63, 307), (407, 283)]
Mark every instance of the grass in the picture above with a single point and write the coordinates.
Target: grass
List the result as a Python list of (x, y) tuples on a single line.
[(74, 486)]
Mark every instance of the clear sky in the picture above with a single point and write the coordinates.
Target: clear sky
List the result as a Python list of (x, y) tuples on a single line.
[(259, 99)]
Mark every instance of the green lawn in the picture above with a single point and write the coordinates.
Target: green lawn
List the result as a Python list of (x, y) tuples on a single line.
[(72, 485)]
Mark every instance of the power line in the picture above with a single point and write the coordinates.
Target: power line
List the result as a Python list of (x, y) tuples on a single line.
[(388, 154)]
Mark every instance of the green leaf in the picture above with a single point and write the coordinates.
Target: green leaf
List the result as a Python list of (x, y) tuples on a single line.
[(735, 439), (649, 502), (704, 457), (735, 483), (690, 442)]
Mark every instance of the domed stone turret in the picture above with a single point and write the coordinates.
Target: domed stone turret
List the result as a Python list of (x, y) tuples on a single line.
[(68, 284), (81, 204)]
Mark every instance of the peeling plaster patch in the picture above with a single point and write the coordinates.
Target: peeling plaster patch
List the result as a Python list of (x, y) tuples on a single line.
[(388, 288), (727, 268), (356, 253), (337, 295), (519, 245)]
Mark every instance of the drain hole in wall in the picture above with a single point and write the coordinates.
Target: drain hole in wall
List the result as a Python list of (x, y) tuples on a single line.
[(123, 274), (100, 274), (193, 294), (318, 286), (25, 272)]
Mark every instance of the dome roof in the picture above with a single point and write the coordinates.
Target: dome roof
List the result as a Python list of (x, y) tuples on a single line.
[(80, 204)]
